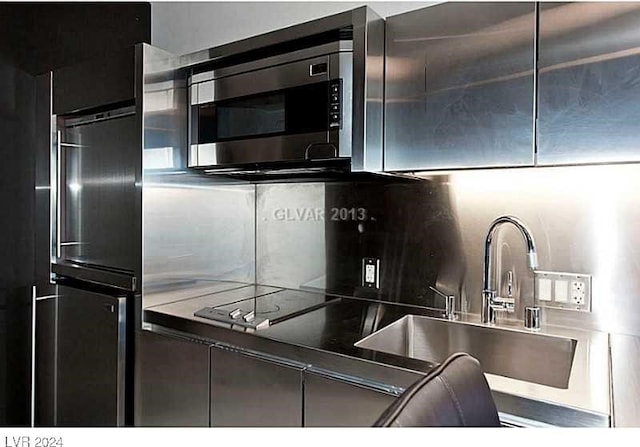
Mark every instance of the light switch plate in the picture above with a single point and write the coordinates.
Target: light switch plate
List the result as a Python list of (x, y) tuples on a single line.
[(544, 289), (561, 291), (569, 291)]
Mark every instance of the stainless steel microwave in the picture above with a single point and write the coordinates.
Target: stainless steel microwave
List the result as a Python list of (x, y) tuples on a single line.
[(293, 107)]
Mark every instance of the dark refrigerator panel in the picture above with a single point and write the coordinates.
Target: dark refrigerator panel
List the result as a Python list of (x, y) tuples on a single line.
[(91, 354), (95, 245)]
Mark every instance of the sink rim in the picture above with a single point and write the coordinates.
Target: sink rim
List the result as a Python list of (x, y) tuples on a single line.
[(490, 327), (432, 340)]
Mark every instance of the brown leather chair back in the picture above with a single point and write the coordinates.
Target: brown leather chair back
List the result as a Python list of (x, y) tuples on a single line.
[(455, 394)]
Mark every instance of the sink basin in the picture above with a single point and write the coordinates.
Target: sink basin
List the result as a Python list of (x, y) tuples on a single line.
[(537, 358)]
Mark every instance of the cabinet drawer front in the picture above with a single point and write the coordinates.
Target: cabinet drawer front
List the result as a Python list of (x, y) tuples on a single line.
[(331, 403), (250, 392), (172, 382)]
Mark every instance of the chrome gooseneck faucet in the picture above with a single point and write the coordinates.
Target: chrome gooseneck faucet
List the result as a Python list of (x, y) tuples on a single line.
[(488, 293)]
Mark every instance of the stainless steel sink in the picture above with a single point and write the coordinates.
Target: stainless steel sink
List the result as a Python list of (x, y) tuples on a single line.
[(536, 358)]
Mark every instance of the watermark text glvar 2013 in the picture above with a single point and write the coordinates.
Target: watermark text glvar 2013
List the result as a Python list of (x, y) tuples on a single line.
[(335, 214)]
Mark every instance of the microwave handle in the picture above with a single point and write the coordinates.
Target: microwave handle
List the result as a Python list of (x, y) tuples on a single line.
[(322, 145)]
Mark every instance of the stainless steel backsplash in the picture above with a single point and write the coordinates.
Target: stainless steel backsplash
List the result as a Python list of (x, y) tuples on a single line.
[(427, 231), (431, 231), (291, 243), (195, 230)]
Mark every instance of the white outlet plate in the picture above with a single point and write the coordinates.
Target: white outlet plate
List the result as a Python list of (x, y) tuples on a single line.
[(571, 291)]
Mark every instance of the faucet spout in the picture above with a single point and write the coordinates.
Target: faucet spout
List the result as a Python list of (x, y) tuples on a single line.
[(488, 292)]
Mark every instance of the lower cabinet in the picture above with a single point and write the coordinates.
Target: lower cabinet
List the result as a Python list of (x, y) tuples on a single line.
[(334, 403), (172, 382), (248, 391), (184, 383)]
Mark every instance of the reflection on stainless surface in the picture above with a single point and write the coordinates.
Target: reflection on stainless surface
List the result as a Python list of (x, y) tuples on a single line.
[(490, 302), (459, 87), (530, 357)]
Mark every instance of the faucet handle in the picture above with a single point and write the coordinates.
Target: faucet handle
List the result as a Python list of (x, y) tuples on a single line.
[(503, 304)]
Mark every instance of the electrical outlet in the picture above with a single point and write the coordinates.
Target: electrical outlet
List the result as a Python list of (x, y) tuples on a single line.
[(371, 273), (571, 291), (577, 292)]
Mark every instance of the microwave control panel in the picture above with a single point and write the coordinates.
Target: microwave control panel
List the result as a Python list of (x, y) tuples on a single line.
[(335, 104)]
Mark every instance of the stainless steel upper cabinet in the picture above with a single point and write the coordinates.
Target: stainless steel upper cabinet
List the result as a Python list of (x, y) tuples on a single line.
[(589, 83), (460, 86)]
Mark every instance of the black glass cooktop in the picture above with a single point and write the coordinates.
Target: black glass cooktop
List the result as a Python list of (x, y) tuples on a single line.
[(264, 310)]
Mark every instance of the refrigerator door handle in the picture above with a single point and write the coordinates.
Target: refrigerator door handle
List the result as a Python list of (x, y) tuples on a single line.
[(109, 307), (57, 193), (120, 280)]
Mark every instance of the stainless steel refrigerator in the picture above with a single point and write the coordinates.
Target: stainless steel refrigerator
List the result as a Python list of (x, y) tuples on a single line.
[(87, 310)]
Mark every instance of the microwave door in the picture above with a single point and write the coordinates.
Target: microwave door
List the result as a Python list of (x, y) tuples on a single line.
[(276, 114), (272, 126), (97, 206)]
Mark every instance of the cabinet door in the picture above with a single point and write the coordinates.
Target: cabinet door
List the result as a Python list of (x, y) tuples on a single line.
[(251, 392), (332, 403), (588, 86), (91, 351), (172, 382), (460, 86)]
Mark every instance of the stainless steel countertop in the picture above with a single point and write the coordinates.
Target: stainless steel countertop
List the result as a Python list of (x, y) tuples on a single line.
[(170, 290), (589, 383), (325, 339), (625, 353)]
